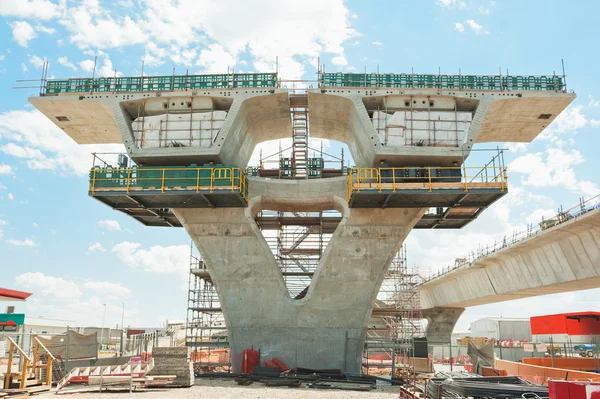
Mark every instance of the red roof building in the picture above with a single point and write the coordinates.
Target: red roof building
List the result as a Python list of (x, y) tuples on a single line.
[(13, 295)]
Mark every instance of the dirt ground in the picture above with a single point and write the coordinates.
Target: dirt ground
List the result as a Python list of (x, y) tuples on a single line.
[(230, 390)]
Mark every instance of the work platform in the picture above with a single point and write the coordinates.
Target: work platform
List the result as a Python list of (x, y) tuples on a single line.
[(147, 194)]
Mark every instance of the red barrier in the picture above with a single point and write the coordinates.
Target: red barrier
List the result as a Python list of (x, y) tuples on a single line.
[(573, 390), (282, 366)]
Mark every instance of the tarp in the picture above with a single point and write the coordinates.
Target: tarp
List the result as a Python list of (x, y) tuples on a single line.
[(75, 345), (483, 356)]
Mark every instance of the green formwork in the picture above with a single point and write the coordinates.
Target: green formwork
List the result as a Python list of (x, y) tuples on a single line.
[(470, 82), (161, 83)]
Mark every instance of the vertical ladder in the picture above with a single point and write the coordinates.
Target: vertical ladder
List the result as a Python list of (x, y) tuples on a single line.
[(299, 110)]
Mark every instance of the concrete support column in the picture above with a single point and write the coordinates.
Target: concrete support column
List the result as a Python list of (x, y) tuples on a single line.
[(326, 328), (440, 324)]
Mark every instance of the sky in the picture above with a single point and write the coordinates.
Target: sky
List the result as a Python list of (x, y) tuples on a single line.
[(77, 255)]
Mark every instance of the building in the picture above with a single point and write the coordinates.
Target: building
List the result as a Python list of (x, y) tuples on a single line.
[(566, 327), (502, 329)]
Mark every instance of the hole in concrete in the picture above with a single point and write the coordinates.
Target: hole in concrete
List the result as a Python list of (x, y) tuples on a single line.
[(297, 240), (545, 116)]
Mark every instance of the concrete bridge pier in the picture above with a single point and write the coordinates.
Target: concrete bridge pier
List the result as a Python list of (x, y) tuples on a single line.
[(326, 328), (440, 324)]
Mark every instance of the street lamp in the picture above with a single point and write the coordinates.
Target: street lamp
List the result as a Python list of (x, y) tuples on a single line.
[(102, 330), (122, 329)]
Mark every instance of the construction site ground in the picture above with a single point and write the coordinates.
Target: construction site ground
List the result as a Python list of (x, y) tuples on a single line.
[(229, 390)]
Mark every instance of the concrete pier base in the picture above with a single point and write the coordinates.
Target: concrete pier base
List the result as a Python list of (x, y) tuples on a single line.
[(326, 328), (440, 324)]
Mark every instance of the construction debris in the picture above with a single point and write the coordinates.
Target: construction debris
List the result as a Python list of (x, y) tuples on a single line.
[(173, 361)]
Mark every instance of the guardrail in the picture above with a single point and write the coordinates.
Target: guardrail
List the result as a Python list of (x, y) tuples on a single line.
[(463, 177), (168, 179), (159, 83), (574, 212), (430, 81)]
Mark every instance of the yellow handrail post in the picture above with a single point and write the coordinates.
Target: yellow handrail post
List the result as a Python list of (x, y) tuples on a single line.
[(212, 179), (465, 176), (429, 174), (94, 181), (7, 379), (198, 181), (128, 179), (232, 173), (24, 373), (162, 188), (378, 170), (393, 180)]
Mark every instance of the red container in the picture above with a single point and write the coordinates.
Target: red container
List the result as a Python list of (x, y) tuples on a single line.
[(249, 360), (573, 390)]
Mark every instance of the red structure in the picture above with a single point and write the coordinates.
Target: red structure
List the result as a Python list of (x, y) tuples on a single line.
[(13, 295), (573, 390), (578, 323)]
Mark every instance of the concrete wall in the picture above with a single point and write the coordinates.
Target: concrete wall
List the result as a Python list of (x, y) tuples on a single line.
[(561, 259)]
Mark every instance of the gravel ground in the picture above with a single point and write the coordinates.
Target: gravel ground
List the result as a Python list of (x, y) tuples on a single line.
[(230, 390)]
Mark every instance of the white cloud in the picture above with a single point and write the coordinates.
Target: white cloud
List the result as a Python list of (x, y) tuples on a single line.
[(593, 102), (377, 43), (110, 225), (487, 10), (22, 243), (517, 147), (2, 187), (1, 57), (37, 9), (5, 169), (64, 61), (3, 222), (451, 4), (104, 287), (11, 196), (459, 27), (92, 26), (104, 66), (157, 259), (45, 29), (22, 33), (339, 60), (55, 287), (215, 59), (477, 28), (96, 247), (553, 168), (35, 225), (31, 130), (36, 61), (24, 67)]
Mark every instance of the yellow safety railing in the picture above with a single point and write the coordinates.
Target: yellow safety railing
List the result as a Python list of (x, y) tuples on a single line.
[(168, 178), (464, 177)]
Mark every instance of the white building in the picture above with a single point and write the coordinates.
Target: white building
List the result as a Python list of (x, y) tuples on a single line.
[(501, 328)]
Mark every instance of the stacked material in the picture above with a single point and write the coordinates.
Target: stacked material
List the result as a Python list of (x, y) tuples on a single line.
[(484, 387), (173, 361)]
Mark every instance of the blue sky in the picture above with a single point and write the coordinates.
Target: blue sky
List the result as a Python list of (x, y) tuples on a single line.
[(75, 254)]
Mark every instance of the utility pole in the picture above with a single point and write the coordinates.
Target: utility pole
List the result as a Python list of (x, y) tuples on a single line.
[(122, 329), (102, 329)]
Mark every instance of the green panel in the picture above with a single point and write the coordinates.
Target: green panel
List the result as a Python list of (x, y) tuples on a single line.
[(18, 318), (470, 82)]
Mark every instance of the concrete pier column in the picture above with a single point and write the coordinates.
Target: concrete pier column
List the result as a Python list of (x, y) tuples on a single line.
[(440, 324), (326, 328)]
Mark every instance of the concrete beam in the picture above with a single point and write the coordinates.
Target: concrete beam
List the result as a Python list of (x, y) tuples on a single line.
[(561, 259)]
